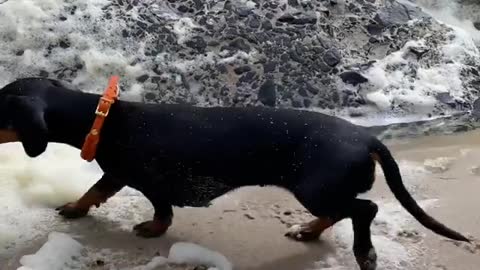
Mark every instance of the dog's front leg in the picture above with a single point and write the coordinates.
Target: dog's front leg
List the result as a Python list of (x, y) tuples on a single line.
[(99, 193)]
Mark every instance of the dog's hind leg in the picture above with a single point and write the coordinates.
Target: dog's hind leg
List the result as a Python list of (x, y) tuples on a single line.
[(99, 193), (362, 213), (311, 230), (330, 196), (162, 218)]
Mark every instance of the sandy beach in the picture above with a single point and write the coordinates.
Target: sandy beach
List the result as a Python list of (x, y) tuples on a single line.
[(247, 225)]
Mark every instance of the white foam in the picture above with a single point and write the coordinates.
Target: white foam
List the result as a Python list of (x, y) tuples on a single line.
[(60, 252), (391, 82), (183, 28), (31, 188), (152, 265), (190, 253), (454, 15)]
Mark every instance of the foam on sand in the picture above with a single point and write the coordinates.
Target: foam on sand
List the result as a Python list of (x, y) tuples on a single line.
[(184, 253), (60, 252), (194, 254), (31, 188)]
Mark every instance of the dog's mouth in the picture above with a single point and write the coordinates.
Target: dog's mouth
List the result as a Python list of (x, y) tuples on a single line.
[(8, 136)]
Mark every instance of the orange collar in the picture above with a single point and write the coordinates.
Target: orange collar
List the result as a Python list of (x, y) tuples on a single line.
[(89, 148)]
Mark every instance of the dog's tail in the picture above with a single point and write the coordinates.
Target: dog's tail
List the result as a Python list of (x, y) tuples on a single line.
[(394, 180)]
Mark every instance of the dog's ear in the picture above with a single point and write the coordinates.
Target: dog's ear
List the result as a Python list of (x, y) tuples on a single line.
[(27, 115)]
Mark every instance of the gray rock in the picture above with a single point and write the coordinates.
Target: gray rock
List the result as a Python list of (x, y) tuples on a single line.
[(395, 13), (332, 57), (353, 78), (268, 94), (298, 19), (477, 25), (197, 43)]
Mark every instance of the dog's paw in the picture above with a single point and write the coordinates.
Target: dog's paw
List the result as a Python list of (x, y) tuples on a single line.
[(70, 210), (149, 229), (369, 261), (302, 232)]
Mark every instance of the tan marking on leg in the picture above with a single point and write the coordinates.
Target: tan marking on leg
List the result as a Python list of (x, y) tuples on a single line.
[(7, 136), (81, 207), (375, 157), (310, 230), (152, 228), (320, 224), (93, 197)]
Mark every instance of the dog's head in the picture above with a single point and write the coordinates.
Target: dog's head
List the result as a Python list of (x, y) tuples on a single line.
[(22, 116)]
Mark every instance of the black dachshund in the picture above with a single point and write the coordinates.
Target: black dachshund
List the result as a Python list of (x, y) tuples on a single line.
[(186, 156)]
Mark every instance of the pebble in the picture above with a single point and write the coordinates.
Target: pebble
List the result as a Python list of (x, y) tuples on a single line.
[(267, 93), (249, 216)]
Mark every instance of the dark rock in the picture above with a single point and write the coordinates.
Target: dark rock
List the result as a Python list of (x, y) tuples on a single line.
[(197, 43), (418, 52), (143, 78), (302, 92), (332, 57), (375, 29), (244, 12), (270, 15), (254, 23), (156, 79), (63, 18), (183, 9), (242, 69), (267, 93), (476, 25), (476, 108), (269, 66), (395, 13), (474, 71), (267, 25), (64, 44), (312, 89), (43, 73), (307, 102), (323, 66), (296, 57), (19, 53), (353, 78), (247, 77), (296, 103), (446, 98), (150, 96), (222, 68), (198, 4), (240, 44), (298, 19), (293, 3), (213, 43)]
